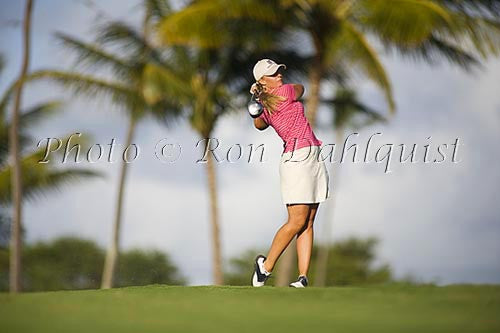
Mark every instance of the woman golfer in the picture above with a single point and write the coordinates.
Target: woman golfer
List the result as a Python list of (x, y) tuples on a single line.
[(303, 175)]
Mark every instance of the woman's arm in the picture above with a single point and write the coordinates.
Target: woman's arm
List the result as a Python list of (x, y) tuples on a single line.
[(299, 90), (260, 124)]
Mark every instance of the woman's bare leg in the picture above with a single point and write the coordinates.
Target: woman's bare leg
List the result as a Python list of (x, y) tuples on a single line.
[(305, 241), (297, 217)]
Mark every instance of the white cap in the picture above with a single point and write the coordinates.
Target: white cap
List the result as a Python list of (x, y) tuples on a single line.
[(265, 67)]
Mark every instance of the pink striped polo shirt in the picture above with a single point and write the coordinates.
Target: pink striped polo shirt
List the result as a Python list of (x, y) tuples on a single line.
[(290, 122)]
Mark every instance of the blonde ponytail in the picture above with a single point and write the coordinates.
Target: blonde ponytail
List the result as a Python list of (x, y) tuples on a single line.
[(269, 101)]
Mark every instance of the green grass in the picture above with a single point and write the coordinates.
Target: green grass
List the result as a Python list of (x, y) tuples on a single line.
[(160, 308)]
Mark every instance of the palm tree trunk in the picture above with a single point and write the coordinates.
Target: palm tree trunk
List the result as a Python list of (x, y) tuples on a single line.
[(214, 220), (322, 260), (15, 238), (286, 265), (315, 75), (113, 250)]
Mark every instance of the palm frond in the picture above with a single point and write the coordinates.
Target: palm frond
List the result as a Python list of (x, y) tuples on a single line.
[(33, 115), (166, 111), (478, 34), (92, 56), (352, 46), (340, 74), (55, 180), (39, 179), (193, 26), (483, 8), (57, 152), (162, 82), (350, 111), (26, 145), (128, 41), (404, 22), (28, 118), (90, 86), (7, 95), (434, 50), (205, 23), (122, 35), (156, 10), (24, 139)]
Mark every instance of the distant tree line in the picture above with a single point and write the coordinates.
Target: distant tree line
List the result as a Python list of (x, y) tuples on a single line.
[(350, 262), (74, 263)]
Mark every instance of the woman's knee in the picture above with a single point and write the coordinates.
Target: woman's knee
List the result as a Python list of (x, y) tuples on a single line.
[(297, 222), (298, 216), (308, 225), (296, 225), (309, 219)]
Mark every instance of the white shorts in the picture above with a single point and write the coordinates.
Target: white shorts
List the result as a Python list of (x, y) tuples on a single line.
[(303, 176)]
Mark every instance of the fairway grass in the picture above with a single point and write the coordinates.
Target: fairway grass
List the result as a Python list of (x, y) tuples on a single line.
[(161, 308)]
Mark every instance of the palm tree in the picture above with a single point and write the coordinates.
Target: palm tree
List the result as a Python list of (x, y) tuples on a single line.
[(337, 30), (349, 112), (37, 179), (15, 242), (342, 32), (199, 80), (127, 89), (208, 83)]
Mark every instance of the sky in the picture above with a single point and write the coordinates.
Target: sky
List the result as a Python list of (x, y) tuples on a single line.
[(437, 222)]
